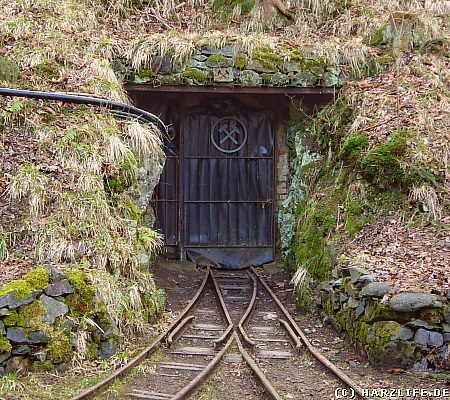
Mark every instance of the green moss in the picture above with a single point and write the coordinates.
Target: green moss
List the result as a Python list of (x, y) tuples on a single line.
[(268, 59), (173, 79), (241, 61), (384, 331), (47, 69), (38, 278), (129, 209), (352, 146), (28, 316), (376, 37), (143, 76), (331, 124), (82, 284), (91, 351), (354, 217), (384, 349), (304, 297), (125, 176), (296, 55), (375, 311), (197, 75), (361, 332), (60, 348), (226, 7), (20, 287), (9, 70), (217, 60), (5, 346), (39, 366), (385, 60), (382, 164)]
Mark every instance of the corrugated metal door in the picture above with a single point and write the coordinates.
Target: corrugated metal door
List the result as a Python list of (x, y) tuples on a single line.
[(227, 175)]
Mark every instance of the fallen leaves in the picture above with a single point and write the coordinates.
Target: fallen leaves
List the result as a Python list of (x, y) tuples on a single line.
[(415, 259)]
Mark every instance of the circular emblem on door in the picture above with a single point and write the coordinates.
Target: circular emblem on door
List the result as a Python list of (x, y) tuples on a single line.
[(228, 135)]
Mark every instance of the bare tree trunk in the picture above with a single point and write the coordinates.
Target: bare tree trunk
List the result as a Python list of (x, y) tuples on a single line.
[(283, 9), (279, 5)]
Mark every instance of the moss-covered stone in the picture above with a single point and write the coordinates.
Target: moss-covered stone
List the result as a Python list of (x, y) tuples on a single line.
[(382, 164), (384, 349), (60, 348), (218, 60), (433, 316), (82, 301), (41, 366), (20, 287), (352, 146), (125, 176), (196, 75), (241, 61), (271, 61), (38, 279), (172, 79), (9, 70), (29, 316), (5, 345), (91, 351)]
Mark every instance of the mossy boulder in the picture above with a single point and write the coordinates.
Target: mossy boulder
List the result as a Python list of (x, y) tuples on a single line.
[(218, 60), (60, 347), (195, 75), (241, 61), (24, 291), (250, 78), (352, 146), (266, 60), (376, 311), (383, 347), (9, 70), (382, 165)]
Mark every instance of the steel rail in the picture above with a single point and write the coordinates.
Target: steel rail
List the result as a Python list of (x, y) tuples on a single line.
[(294, 337), (122, 109), (225, 311), (178, 329), (147, 350), (193, 385), (257, 371), (247, 313), (319, 356)]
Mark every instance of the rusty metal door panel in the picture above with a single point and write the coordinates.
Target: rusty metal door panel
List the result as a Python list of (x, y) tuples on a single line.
[(166, 201), (228, 186)]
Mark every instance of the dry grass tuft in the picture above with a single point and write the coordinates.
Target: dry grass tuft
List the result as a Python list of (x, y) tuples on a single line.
[(29, 182), (428, 198)]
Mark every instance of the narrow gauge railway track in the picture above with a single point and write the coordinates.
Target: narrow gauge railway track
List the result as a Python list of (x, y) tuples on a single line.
[(229, 307)]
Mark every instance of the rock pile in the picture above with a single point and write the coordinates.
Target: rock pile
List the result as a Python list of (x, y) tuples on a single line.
[(407, 330), (43, 322)]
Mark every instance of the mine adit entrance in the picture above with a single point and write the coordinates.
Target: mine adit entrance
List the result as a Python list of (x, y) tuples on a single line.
[(217, 199)]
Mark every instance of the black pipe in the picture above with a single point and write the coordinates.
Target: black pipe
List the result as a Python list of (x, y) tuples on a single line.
[(78, 99)]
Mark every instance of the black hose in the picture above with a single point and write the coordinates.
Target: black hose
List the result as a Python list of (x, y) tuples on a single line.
[(123, 109)]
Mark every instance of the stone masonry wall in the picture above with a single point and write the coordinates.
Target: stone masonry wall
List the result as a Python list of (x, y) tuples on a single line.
[(48, 319), (228, 66), (407, 330)]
